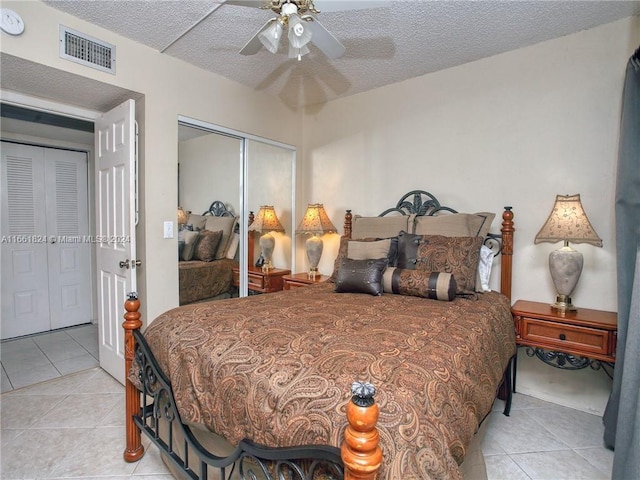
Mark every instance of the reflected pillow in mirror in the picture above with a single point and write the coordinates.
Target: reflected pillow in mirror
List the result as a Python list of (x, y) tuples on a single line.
[(205, 249), (190, 241)]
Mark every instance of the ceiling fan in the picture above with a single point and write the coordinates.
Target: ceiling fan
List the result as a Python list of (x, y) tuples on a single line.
[(295, 21)]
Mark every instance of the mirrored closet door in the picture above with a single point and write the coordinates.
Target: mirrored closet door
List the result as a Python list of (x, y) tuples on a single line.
[(224, 178)]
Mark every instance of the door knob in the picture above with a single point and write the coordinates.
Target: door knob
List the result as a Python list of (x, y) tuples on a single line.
[(124, 264), (136, 263)]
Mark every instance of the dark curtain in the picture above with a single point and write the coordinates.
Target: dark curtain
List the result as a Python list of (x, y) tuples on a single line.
[(622, 415)]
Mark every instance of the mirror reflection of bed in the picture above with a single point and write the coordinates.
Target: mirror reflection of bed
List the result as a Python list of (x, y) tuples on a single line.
[(208, 193), (207, 254), (210, 166)]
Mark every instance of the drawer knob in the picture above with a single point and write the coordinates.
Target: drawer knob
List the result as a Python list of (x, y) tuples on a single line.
[(562, 336)]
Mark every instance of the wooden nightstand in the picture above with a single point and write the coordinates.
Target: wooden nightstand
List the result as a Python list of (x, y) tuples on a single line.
[(262, 282), (569, 340), (302, 280)]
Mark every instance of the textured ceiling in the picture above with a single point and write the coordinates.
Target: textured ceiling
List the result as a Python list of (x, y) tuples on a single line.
[(397, 40)]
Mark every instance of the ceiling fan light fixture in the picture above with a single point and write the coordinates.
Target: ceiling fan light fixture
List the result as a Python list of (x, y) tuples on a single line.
[(270, 36), (299, 34)]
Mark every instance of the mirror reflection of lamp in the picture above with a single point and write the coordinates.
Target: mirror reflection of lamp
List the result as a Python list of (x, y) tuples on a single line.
[(183, 218), (567, 222), (315, 222), (265, 222)]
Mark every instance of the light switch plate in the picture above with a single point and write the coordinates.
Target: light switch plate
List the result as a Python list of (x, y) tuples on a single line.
[(168, 229)]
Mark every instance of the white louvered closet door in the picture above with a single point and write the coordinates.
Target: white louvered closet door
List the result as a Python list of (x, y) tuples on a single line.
[(46, 282)]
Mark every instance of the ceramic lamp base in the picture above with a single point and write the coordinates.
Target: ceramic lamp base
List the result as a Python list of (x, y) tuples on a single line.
[(565, 265), (267, 243), (314, 247)]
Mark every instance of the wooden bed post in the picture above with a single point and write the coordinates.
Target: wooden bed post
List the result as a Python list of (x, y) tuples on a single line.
[(507, 252), (134, 449), (360, 451)]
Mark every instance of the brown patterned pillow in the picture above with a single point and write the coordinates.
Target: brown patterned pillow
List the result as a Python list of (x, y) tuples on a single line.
[(207, 245), (437, 253), (360, 276), (418, 283)]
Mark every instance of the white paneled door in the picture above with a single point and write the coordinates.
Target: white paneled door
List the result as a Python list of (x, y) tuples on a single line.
[(115, 182), (46, 247)]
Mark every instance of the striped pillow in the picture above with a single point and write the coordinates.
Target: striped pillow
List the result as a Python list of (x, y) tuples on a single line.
[(419, 283)]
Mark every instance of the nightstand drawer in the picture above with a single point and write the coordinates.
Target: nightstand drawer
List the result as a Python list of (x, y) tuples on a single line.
[(549, 334), (256, 280), (260, 281)]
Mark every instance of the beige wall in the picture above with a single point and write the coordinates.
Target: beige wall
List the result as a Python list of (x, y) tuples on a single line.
[(170, 88), (514, 129)]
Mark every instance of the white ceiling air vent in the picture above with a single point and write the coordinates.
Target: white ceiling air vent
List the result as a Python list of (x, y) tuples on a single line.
[(86, 50)]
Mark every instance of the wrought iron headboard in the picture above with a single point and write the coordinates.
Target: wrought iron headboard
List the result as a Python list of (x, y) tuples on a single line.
[(424, 203), (218, 209)]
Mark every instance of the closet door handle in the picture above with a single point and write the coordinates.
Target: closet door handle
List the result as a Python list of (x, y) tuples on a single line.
[(124, 264)]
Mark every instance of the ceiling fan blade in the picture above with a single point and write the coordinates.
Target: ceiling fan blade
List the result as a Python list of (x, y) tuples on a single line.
[(247, 3), (324, 40), (254, 45), (339, 5)]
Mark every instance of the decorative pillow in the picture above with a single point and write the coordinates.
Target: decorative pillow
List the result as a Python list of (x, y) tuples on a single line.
[(197, 221), (486, 226), (227, 225), (190, 241), (418, 283), (380, 227), (234, 241), (484, 269), (343, 252), (360, 276), (437, 253), (205, 249), (455, 224), (180, 249), (357, 250)]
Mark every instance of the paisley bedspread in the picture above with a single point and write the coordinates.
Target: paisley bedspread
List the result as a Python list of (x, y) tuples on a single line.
[(201, 280), (277, 369)]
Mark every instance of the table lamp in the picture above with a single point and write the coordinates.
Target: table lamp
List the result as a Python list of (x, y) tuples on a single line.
[(567, 222), (265, 222), (315, 222)]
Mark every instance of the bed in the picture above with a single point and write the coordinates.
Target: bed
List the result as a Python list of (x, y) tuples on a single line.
[(207, 248), (270, 374)]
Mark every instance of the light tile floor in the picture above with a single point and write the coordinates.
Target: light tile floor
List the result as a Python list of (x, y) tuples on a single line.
[(44, 356), (73, 427)]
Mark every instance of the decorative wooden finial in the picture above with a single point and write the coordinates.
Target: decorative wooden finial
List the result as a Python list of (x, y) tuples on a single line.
[(134, 449), (348, 219), (360, 451)]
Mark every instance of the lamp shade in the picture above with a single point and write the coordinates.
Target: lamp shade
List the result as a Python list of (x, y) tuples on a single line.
[(569, 223), (266, 221), (316, 221)]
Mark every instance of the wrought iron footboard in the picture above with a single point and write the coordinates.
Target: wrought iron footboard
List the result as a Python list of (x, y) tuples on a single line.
[(252, 461)]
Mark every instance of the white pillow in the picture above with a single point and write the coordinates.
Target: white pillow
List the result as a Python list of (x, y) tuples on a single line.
[(484, 269)]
